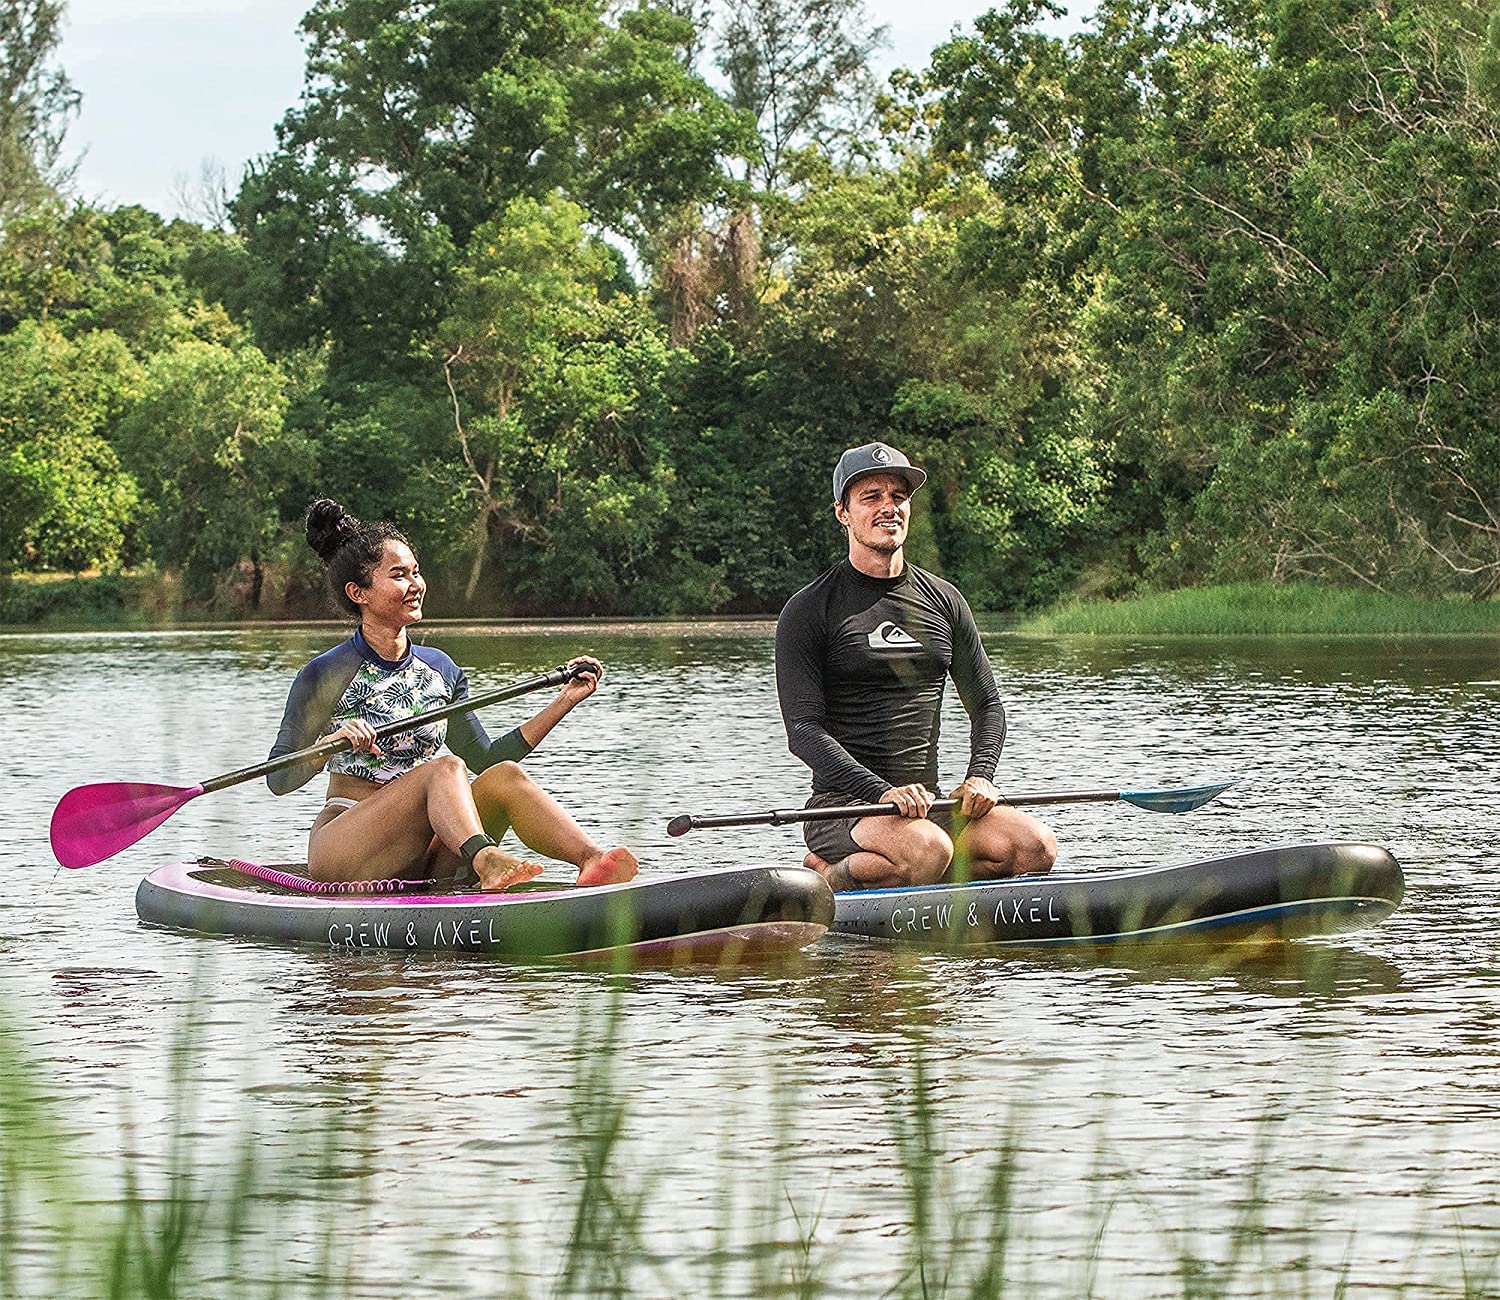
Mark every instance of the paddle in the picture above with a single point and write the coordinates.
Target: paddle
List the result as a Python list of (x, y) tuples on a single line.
[(1182, 799), (94, 822)]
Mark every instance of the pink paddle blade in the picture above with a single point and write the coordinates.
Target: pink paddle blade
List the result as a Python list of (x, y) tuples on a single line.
[(95, 822)]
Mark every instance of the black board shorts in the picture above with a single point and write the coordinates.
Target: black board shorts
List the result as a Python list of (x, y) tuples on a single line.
[(833, 841)]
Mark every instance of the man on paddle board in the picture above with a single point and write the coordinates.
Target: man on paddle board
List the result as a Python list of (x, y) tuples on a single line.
[(863, 654)]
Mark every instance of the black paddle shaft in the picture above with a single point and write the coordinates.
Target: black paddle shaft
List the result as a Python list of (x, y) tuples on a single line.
[(786, 816), (554, 678)]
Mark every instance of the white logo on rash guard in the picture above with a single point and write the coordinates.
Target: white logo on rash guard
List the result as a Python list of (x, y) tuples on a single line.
[(890, 637)]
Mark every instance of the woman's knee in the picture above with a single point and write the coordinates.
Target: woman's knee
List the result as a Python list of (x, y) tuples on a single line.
[(447, 768), (501, 779)]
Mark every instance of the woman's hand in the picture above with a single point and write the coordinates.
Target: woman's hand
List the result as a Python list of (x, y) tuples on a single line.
[(577, 689), (360, 735)]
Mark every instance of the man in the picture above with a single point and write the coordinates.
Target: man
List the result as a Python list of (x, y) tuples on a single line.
[(863, 654)]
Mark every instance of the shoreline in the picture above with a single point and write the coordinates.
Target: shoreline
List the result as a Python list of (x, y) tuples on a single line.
[(1266, 610), (132, 603)]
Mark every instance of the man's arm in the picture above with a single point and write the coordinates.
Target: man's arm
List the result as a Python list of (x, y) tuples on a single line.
[(800, 636), (975, 680)]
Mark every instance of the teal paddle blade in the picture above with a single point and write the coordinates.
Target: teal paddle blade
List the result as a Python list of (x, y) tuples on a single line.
[(1182, 799)]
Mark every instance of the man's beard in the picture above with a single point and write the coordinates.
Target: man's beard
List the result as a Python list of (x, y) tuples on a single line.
[(883, 542)]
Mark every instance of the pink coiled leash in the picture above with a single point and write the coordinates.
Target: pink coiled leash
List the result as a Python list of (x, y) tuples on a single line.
[(306, 885)]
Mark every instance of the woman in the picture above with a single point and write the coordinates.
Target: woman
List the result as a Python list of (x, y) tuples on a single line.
[(396, 808)]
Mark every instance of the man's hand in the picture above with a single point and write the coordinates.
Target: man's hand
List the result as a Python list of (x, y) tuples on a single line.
[(978, 796), (912, 800)]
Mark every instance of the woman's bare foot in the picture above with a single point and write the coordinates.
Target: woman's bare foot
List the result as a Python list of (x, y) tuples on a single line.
[(611, 868), (498, 871)]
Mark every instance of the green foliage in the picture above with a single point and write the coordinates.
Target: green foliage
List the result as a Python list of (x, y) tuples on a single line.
[(65, 501), (206, 439), (103, 600), (1269, 232), (82, 270), (1197, 295), (423, 123), (36, 103), (800, 69), (1264, 609)]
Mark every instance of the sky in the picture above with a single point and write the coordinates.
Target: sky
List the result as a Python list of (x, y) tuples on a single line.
[(173, 86)]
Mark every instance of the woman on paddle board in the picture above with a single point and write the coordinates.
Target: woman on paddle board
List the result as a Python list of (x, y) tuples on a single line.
[(397, 807)]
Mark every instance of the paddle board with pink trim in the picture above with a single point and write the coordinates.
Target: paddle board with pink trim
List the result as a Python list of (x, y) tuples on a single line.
[(704, 915)]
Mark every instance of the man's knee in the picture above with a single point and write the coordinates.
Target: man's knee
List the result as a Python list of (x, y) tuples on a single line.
[(1031, 851), (1036, 852), (928, 851)]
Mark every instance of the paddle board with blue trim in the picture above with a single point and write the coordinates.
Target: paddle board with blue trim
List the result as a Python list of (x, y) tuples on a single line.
[(1291, 892)]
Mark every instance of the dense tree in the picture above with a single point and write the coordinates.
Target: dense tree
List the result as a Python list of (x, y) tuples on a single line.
[(522, 301), (1270, 232), (206, 440), (420, 123), (36, 102), (1199, 292), (801, 69), (65, 501)]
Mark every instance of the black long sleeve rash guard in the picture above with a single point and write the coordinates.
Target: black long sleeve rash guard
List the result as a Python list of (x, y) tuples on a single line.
[(861, 665)]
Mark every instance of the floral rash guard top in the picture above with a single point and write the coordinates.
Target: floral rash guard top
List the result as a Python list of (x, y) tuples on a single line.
[(352, 681)]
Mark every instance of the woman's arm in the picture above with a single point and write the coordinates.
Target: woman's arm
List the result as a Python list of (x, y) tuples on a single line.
[(309, 705), (468, 739), (574, 692)]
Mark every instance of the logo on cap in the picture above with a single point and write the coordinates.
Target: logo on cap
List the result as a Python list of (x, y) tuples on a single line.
[(881, 455)]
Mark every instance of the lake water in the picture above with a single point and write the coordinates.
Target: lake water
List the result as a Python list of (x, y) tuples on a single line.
[(1260, 1124)]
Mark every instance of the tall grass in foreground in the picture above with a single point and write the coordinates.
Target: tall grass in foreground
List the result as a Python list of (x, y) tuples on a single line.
[(961, 1226), (185, 1224), (1261, 609)]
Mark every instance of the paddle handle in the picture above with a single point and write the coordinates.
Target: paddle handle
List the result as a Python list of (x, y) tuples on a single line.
[(329, 747)]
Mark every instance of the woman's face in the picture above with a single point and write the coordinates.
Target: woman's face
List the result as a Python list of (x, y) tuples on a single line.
[(394, 596)]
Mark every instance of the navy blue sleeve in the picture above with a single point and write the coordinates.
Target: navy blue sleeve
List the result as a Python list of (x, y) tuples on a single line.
[(309, 705), (975, 680), (800, 636), (471, 742)]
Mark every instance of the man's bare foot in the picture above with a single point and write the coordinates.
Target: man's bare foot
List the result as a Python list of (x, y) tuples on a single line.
[(498, 871), (611, 868)]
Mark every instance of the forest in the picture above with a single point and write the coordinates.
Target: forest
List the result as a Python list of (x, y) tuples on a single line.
[(588, 298)]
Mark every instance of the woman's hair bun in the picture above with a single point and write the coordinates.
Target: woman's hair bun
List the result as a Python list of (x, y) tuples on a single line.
[(329, 527)]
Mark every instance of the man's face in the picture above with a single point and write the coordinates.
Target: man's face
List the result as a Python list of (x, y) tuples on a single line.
[(877, 511)]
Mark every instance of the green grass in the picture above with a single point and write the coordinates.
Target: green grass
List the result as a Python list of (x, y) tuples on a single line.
[(104, 600), (1261, 609)]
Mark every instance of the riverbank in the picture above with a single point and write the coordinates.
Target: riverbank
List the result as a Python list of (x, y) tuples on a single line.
[(1261, 609), (151, 600)]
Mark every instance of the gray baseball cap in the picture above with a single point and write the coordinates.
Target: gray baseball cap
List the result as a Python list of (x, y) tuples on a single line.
[(874, 458)]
